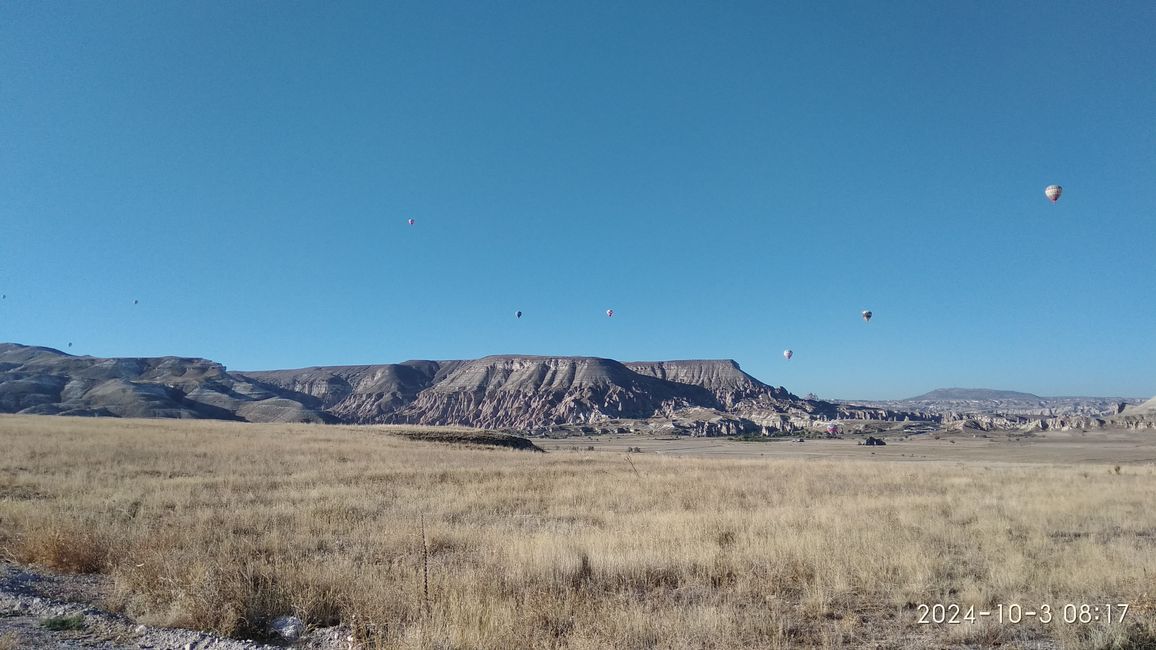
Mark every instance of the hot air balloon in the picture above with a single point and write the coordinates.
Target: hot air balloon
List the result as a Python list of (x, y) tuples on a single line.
[(136, 302), (410, 222), (787, 354), (609, 313), (518, 314), (832, 428), (1053, 192), (867, 316), (70, 344)]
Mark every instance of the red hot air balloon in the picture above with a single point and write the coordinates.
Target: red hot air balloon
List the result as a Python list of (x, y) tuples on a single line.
[(1053, 192)]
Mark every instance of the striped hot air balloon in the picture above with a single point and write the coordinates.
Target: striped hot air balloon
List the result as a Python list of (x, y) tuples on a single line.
[(1053, 192)]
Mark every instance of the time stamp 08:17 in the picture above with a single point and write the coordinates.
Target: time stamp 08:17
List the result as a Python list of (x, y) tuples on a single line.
[(1067, 613)]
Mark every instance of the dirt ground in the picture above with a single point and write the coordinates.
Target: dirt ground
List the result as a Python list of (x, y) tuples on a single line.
[(1049, 447)]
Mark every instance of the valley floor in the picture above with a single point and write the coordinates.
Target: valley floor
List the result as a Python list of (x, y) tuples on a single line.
[(693, 543), (1058, 447)]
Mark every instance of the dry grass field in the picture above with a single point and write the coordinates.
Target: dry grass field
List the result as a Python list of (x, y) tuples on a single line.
[(221, 526)]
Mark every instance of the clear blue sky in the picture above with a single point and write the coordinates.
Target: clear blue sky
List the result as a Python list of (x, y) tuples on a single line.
[(731, 178)]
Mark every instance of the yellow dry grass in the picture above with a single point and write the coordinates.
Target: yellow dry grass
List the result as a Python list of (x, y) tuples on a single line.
[(221, 526), (10, 641)]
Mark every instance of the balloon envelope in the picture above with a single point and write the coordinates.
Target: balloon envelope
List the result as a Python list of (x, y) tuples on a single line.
[(867, 316), (517, 314), (787, 354), (610, 312), (1053, 192), (411, 222)]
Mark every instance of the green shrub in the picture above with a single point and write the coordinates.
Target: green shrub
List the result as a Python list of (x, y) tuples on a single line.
[(61, 623)]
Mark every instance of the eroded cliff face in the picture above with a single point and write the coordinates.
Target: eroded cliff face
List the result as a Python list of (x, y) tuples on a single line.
[(723, 378), (535, 392)]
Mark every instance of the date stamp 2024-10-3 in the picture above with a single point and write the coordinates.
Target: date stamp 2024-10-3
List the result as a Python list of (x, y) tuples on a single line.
[(1014, 613)]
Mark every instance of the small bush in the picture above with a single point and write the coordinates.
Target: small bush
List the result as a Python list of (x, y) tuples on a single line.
[(62, 623)]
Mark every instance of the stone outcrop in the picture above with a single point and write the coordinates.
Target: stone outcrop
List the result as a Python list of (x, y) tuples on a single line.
[(985, 422)]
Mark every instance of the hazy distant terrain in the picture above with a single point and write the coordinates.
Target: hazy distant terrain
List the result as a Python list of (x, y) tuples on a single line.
[(988, 409), (983, 400)]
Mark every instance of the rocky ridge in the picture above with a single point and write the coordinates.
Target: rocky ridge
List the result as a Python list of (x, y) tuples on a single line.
[(510, 392), (518, 393), (541, 395)]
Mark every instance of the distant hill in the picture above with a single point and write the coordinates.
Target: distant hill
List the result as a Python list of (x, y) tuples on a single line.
[(964, 394), (45, 381)]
